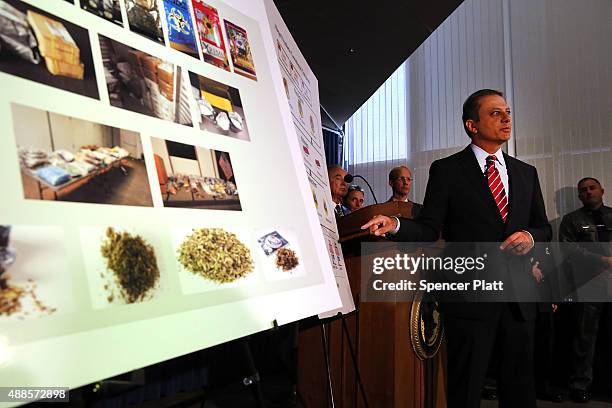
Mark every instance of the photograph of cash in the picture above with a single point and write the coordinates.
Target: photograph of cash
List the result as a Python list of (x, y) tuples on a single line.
[(38, 46), (107, 9), (219, 107), (64, 158), (144, 18), (144, 84), (195, 177)]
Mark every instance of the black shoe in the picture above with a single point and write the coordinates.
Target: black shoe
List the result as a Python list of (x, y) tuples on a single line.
[(580, 396), (551, 396), (489, 394)]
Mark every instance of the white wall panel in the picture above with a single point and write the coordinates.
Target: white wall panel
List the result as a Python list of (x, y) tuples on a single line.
[(552, 55)]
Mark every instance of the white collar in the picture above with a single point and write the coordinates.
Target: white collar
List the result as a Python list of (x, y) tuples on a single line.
[(482, 155)]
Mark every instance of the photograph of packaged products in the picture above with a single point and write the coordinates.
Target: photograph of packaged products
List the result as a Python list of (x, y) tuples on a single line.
[(195, 177), (124, 265), (33, 277), (144, 18), (210, 33), (181, 33), (68, 159), (107, 9), (240, 50), (219, 107), (279, 254), (144, 84), (44, 48)]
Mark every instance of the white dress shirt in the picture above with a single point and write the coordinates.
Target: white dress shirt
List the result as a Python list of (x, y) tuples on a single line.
[(500, 164)]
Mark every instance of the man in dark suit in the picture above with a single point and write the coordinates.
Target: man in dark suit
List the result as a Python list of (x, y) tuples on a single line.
[(590, 263), (483, 195), (339, 188)]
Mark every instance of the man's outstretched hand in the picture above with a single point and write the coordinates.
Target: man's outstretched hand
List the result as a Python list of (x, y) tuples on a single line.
[(380, 225)]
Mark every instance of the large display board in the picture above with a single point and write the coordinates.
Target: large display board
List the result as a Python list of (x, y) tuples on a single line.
[(302, 91), (153, 204)]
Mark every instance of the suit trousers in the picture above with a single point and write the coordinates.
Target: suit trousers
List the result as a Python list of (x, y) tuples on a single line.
[(470, 344), (588, 317)]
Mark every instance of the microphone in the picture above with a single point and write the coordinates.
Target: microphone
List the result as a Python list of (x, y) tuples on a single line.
[(349, 179)]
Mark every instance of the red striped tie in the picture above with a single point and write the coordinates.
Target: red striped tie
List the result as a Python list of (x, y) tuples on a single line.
[(497, 187)]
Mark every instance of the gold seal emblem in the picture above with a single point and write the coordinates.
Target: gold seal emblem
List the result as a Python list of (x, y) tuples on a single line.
[(426, 326)]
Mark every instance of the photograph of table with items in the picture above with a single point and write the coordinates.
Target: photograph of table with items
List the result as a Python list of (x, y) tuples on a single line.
[(63, 158)]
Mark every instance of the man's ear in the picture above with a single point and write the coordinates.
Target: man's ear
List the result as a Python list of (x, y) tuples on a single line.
[(471, 126)]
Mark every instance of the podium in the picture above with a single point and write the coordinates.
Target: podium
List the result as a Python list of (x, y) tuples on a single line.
[(398, 367)]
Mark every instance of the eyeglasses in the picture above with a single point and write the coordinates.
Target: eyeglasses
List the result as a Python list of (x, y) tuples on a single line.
[(403, 179)]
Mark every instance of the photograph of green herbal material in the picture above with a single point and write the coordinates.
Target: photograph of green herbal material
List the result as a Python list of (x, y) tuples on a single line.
[(123, 265), (211, 258), (34, 281)]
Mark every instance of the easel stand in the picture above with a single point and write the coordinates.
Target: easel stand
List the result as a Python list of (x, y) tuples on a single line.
[(345, 331), (253, 380)]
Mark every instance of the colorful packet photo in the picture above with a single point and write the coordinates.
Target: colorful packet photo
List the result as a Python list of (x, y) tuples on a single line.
[(180, 27), (211, 36), (240, 49)]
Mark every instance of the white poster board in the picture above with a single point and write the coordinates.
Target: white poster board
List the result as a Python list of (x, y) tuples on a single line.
[(301, 89), (149, 131)]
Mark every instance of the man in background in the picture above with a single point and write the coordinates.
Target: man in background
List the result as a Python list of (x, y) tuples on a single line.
[(400, 180), (590, 224), (339, 189), (354, 198)]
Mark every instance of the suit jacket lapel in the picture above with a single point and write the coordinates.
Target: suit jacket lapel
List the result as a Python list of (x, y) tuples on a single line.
[(513, 182), (476, 178)]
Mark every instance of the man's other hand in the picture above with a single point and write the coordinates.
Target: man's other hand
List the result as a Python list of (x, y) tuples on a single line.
[(380, 225), (519, 243)]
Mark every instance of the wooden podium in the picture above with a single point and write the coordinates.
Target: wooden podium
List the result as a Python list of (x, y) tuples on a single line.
[(392, 373)]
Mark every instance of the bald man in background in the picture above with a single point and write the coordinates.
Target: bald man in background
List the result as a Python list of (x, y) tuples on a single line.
[(400, 180), (339, 189)]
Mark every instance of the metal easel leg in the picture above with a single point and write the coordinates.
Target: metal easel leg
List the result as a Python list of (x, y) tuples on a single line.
[(327, 365)]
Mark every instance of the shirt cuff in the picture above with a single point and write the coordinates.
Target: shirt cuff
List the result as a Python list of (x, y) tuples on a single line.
[(397, 227), (530, 236)]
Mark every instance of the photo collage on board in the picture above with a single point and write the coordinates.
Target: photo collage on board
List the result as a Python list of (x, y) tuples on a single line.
[(70, 158)]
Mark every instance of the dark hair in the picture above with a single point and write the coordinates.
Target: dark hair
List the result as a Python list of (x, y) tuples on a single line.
[(472, 105), (355, 187), (393, 174), (588, 178)]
